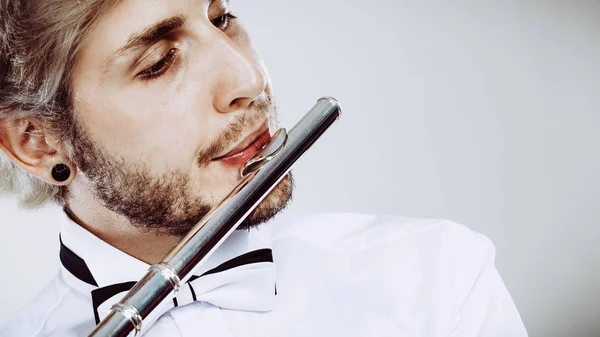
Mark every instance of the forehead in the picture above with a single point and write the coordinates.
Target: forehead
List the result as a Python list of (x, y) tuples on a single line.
[(131, 16)]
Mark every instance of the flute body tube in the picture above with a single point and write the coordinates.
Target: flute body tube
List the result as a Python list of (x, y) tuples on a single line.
[(259, 176)]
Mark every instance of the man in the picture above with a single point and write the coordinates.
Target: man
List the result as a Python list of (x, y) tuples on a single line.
[(135, 117)]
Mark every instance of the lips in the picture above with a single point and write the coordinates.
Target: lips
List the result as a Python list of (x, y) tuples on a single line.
[(246, 149)]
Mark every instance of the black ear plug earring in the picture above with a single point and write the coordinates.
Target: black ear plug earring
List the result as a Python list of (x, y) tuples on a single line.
[(61, 173)]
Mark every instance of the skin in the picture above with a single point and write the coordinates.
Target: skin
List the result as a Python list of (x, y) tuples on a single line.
[(144, 168)]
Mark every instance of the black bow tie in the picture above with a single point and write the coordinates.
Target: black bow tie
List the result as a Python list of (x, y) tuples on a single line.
[(246, 282)]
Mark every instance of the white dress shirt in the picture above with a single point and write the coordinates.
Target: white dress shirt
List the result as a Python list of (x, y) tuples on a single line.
[(333, 275)]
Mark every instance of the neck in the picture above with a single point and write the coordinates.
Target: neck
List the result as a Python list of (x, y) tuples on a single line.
[(117, 230)]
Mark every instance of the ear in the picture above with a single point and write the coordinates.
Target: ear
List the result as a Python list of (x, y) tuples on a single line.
[(26, 142)]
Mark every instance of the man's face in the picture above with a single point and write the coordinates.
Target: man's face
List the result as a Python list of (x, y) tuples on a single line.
[(164, 92)]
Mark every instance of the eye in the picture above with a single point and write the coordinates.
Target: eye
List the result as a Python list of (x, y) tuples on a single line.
[(160, 67), (222, 22)]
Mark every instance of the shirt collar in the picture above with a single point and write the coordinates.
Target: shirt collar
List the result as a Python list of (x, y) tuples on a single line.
[(108, 265)]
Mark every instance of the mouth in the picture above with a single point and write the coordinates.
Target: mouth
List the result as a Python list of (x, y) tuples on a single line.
[(247, 148)]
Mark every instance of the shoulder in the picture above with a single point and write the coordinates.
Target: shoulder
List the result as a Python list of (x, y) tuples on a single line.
[(58, 310), (427, 253), (402, 263), (353, 231)]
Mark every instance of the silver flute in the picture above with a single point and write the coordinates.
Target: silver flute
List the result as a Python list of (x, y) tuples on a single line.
[(258, 177)]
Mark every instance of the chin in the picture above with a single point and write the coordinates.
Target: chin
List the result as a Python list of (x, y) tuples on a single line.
[(275, 202)]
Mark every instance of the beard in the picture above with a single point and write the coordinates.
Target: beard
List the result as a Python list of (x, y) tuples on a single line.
[(166, 204)]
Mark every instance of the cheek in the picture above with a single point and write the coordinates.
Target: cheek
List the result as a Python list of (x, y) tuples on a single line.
[(163, 130)]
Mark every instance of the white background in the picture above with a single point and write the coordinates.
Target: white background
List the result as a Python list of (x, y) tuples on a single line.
[(484, 113)]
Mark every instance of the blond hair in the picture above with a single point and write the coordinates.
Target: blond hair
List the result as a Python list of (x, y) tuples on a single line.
[(39, 44)]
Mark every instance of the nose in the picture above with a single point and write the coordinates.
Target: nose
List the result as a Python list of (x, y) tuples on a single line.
[(241, 80)]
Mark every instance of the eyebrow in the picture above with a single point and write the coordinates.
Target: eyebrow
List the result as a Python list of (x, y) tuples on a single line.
[(148, 36)]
